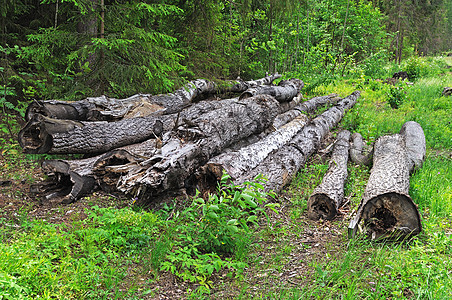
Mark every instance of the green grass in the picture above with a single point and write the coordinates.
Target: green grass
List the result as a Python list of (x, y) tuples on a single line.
[(117, 253)]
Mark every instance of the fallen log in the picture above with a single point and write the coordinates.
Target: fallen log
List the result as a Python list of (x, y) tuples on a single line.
[(356, 151), (386, 209), (237, 163), (104, 108), (285, 91), (281, 165), (47, 135), (326, 198), (69, 180), (192, 145), (306, 107)]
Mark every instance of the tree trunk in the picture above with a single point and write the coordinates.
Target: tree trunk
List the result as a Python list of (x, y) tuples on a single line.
[(69, 180), (140, 105), (386, 209), (193, 144), (328, 196), (356, 151), (46, 135), (280, 166), (237, 163), (306, 107), (285, 91)]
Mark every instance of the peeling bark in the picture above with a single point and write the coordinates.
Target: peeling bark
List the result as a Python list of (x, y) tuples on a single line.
[(356, 151), (237, 163), (386, 209), (69, 180), (285, 91), (328, 196), (194, 143), (104, 108), (306, 107)]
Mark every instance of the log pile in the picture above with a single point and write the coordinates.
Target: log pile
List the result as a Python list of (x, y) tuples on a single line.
[(147, 146)]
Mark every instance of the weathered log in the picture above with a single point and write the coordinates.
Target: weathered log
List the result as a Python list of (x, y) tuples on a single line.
[(386, 209), (69, 180), (192, 145), (237, 163), (306, 107), (285, 91), (46, 135), (104, 108), (415, 144), (280, 166), (356, 151), (328, 196)]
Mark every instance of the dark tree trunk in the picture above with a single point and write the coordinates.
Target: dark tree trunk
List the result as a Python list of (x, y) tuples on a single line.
[(328, 196), (194, 143), (140, 105), (386, 209), (356, 151), (69, 180), (285, 91), (46, 135)]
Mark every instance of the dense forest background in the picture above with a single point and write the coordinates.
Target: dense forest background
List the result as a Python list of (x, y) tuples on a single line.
[(78, 48)]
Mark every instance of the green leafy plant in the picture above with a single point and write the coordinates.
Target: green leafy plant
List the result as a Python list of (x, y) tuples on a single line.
[(210, 232)]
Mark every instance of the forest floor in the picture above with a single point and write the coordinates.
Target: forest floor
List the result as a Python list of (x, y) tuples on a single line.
[(99, 246)]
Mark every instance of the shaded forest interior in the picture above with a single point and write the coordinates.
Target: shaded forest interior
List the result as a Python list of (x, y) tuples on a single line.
[(76, 49)]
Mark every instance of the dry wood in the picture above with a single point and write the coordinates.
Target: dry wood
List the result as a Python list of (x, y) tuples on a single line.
[(328, 196), (194, 143), (386, 209), (306, 107), (356, 151), (285, 91), (281, 165), (237, 163), (104, 108), (68, 180), (46, 135)]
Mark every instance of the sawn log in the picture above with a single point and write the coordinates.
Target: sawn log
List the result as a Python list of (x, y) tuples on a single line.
[(327, 197), (387, 210), (285, 91)]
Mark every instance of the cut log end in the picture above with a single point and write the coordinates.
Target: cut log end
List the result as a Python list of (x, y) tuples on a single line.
[(391, 215), (33, 139), (320, 206), (63, 185)]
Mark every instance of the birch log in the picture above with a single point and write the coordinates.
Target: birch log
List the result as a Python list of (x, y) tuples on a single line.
[(328, 196), (356, 151), (285, 91)]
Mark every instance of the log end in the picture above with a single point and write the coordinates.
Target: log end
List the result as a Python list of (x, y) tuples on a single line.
[(63, 185), (33, 138), (391, 215), (320, 206)]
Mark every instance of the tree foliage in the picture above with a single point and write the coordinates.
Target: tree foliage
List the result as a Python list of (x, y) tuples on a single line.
[(78, 48)]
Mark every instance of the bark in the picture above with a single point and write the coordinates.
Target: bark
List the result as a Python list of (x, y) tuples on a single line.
[(328, 196), (285, 91), (192, 145), (69, 180), (46, 135), (386, 209), (281, 165), (306, 107), (140, 105), (237, 163), (356, 151), (415, 144)]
